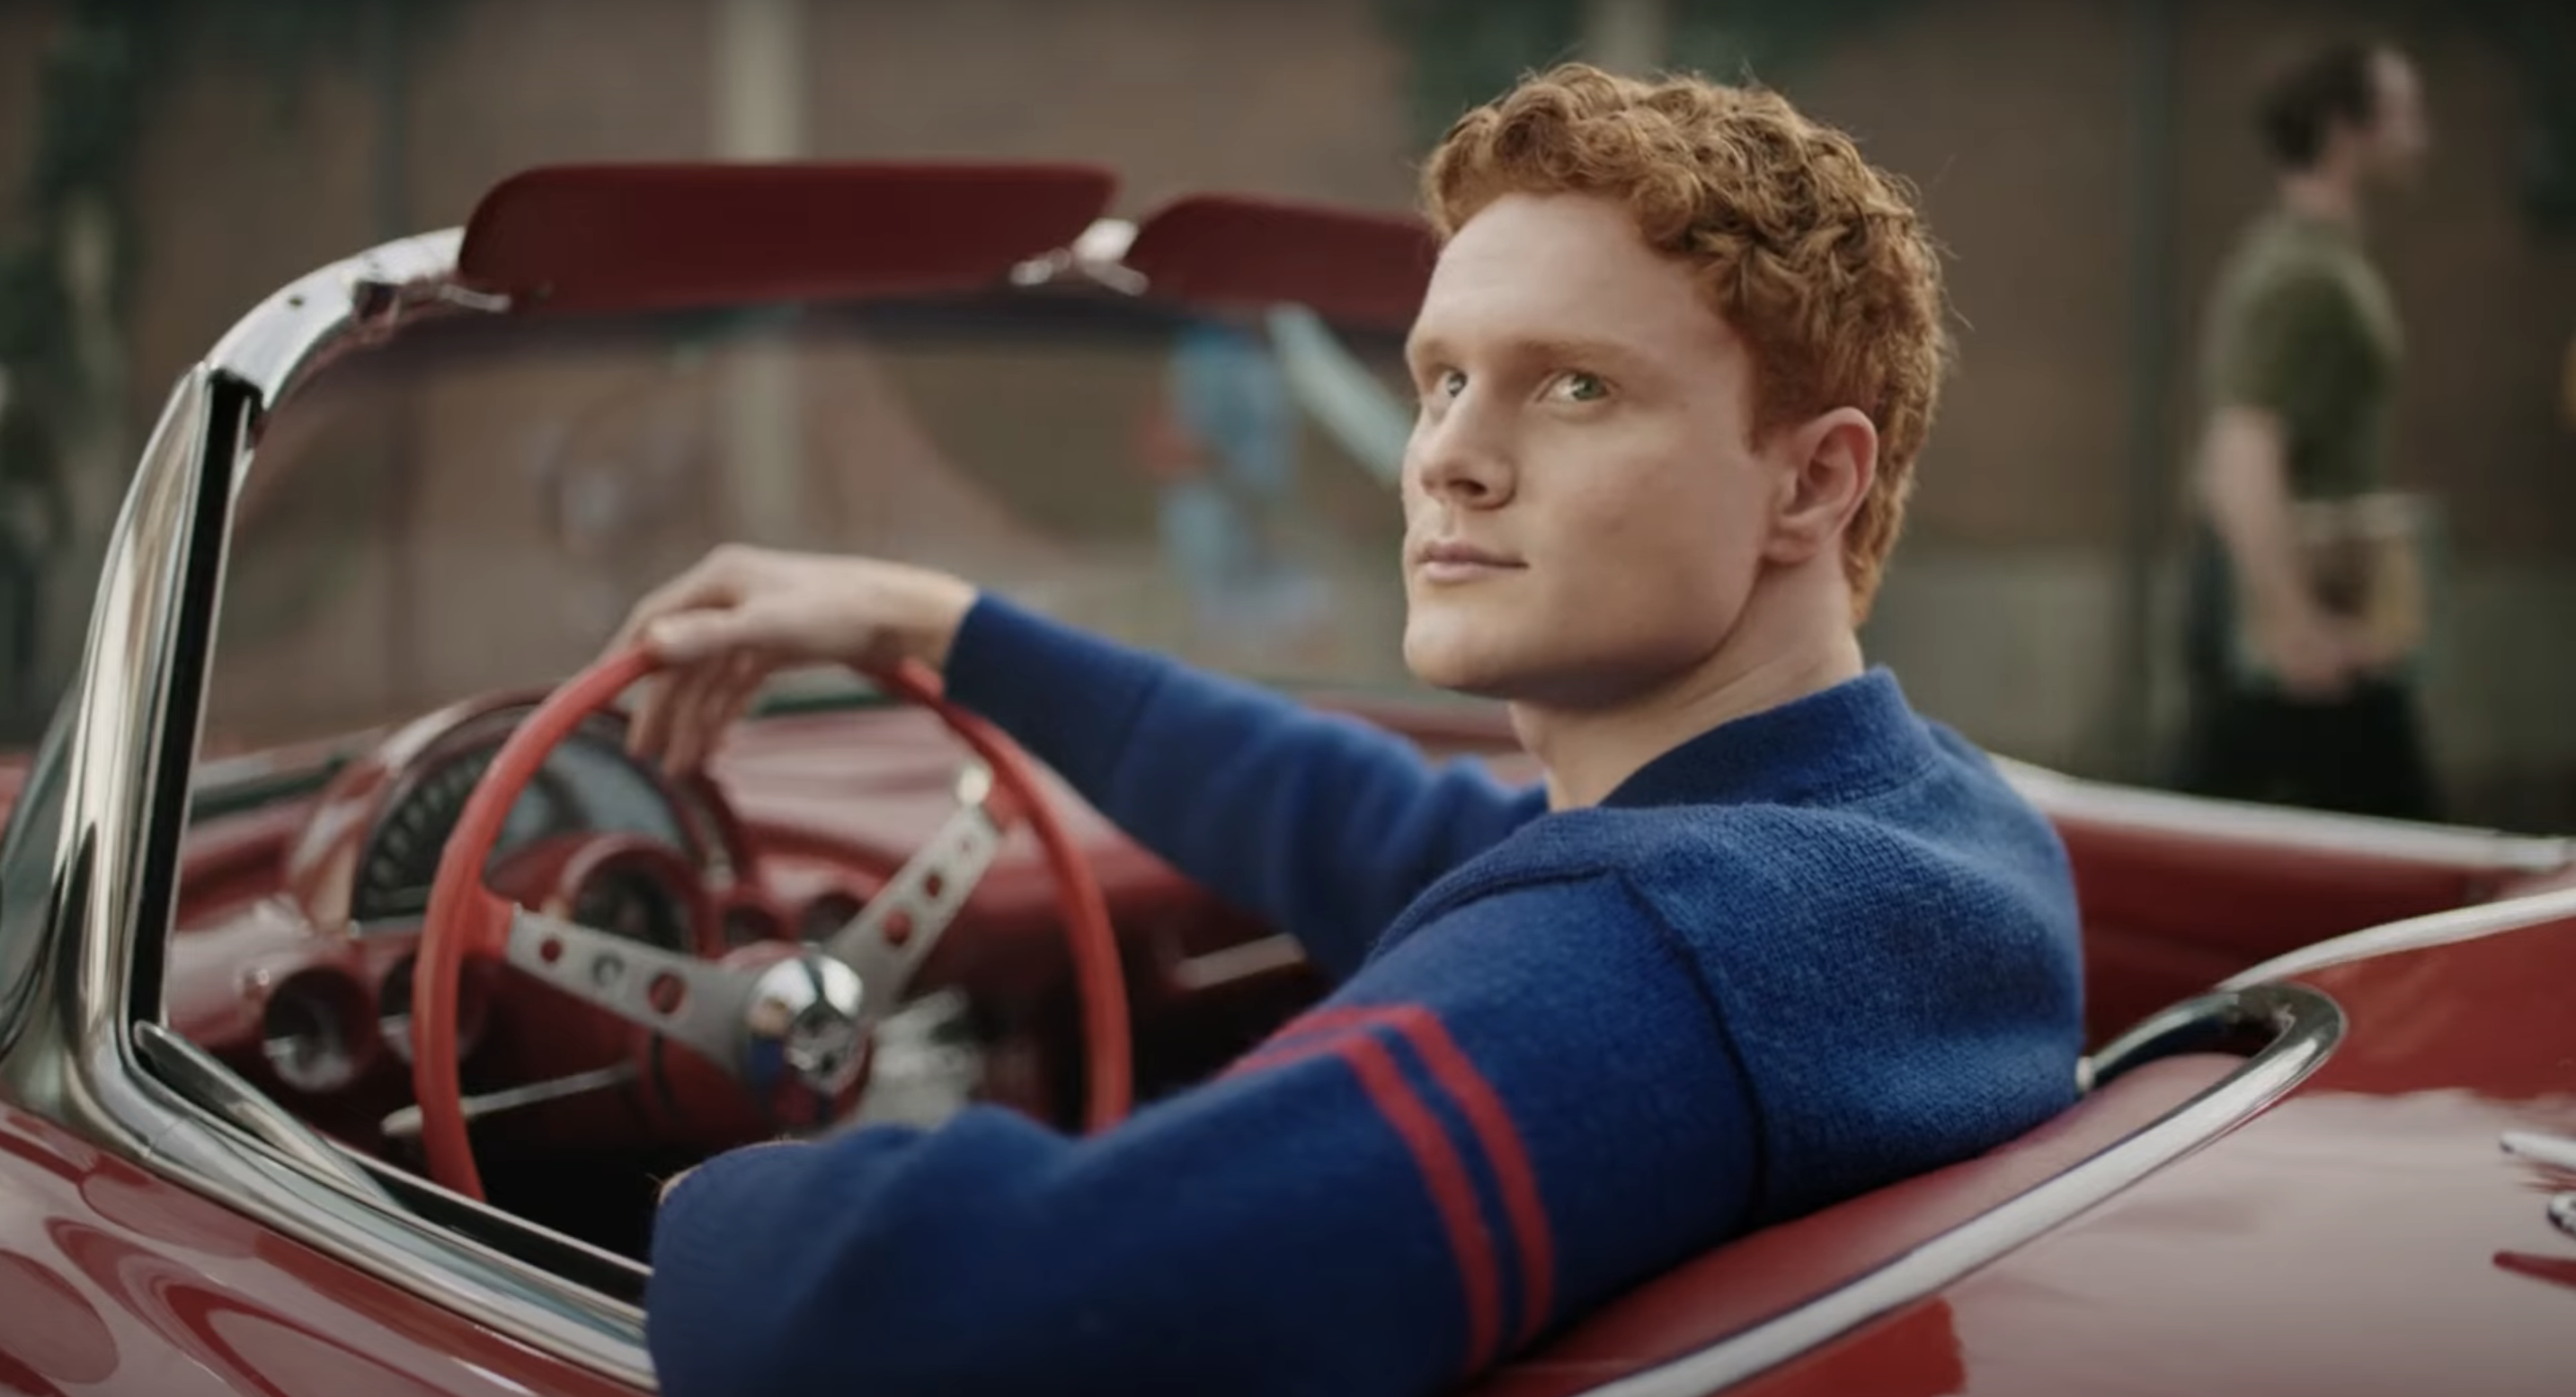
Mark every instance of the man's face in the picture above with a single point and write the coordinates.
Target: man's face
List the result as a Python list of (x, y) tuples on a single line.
[(2395, 142), (1585, 512)]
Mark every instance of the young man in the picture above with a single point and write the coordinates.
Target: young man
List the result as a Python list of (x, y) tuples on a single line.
[(1766, 939), (2292, 699)]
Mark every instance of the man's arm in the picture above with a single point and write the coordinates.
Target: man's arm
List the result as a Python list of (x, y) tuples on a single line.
[(2244, 484), (1323, 825), (2276, 375), (1396, 1191), (1327, 827)]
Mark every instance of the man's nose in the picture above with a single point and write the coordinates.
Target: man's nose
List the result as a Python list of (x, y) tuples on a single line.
[(1461, 456)]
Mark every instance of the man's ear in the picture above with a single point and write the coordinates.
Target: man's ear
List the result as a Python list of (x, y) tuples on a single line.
[(1832, 460)]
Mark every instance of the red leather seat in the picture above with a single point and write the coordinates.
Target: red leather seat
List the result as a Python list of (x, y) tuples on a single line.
[(1777, 1269)]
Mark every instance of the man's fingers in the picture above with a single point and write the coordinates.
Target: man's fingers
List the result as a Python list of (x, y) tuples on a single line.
[(696, 637), (671, 709), (715, 581), (724, 690), (732, 700), (644, 722), (662, 707)]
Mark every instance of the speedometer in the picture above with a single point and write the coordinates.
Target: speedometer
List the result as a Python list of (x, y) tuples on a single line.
[(587, 785), (402, 860)]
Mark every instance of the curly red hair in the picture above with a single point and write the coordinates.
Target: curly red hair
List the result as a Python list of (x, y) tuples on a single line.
[(1820, 261)]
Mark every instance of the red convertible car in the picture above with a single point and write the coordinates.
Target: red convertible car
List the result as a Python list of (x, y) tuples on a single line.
[(357, 989)]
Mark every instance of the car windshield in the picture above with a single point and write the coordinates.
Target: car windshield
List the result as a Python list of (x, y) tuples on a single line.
[(476, 506)]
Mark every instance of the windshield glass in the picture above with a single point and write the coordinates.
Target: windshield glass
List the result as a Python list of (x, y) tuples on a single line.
[(476, 506)]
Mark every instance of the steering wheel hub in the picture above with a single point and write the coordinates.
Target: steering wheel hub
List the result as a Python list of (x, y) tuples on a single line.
[(802, 1018)]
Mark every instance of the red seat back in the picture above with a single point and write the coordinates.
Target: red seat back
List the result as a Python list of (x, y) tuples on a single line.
[(1777, 1269)]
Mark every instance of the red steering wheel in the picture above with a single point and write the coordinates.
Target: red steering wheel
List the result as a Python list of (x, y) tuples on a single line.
[(782, 1021)]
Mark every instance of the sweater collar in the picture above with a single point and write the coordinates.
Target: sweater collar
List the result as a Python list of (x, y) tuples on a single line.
[(1858, 736)]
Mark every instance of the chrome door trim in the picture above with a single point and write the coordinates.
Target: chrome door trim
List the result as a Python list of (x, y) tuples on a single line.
[(2279, 827), (2413, 934), (2305, 1028)]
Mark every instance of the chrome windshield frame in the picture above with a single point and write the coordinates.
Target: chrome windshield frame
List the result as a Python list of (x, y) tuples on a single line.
[(133, 727)]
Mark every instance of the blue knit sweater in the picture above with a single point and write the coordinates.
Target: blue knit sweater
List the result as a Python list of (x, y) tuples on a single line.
[(1809, 952)]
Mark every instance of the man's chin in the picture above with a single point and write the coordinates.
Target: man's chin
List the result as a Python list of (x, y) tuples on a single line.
[(1452, 667)]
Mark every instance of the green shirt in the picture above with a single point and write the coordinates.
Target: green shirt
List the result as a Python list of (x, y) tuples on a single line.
[(2302, 325)]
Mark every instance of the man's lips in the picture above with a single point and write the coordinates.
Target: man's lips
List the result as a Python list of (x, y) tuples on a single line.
[(1454, 560)]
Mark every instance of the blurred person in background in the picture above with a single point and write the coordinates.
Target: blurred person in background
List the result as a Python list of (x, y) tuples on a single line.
[(2306, 591)]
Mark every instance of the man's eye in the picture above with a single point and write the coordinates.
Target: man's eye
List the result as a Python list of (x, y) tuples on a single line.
[(1449, 383), (1578, 387)]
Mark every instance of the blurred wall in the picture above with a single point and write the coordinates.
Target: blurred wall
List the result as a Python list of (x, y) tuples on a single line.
[(2019, 119)]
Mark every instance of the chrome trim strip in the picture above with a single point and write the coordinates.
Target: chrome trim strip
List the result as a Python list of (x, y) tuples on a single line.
[(2306, 1025), (404, 1123), (2556, 1151), (2165, 812), (203, 1078), (1251, 960), (117, 727), (2413, 934)]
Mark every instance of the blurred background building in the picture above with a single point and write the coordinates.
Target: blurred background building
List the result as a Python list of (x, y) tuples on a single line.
[(164, 164)]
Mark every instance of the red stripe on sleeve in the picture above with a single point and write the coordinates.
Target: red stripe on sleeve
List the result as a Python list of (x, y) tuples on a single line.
[(1492, 1122), (1444, 1174), (1486, 1115)]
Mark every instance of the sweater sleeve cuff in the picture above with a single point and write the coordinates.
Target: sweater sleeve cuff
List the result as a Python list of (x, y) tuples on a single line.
[(1067, 695), (693, 1228), (709, 1301)]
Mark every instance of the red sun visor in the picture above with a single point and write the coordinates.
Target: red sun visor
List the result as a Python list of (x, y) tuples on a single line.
[(636, 237), (1358, 268)]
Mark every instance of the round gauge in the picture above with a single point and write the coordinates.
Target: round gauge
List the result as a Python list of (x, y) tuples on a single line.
[(402, 860), (315, 1034), (748, 926), (393, 1007)]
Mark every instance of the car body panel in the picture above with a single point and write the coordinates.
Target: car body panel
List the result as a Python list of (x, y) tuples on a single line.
[(116, 1282)]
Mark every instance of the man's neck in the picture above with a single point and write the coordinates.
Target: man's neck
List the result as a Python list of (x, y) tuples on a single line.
[(2326, 195), (1775, 655)]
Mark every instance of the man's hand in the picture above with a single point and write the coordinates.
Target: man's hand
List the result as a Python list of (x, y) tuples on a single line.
[(741, 614), (2313, 656), (2244, 483)]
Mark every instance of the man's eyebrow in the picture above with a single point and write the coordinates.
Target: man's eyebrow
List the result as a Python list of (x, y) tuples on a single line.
[(1542, 349), (1578, 349)]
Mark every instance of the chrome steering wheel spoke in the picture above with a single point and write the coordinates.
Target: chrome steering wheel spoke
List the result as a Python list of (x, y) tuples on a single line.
[(890, 938), (792, 1018), (690, 1001)]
